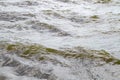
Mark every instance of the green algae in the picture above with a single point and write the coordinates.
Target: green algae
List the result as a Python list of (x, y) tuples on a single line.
[(42, 58), (94, 17), (52, 50), (53, 13), (109, 60), (30, 50), (24, 50), (117, 62), (11, 47), (104, 1), (33, 49), (48, 26), (105, 53)]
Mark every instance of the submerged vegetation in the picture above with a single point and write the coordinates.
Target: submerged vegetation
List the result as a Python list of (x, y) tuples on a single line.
[(104, 1), (28, 51), (66, 29), (94, 17), (53, 13)]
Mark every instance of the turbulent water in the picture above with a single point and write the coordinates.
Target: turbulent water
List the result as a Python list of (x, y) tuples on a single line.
[(73, 26)]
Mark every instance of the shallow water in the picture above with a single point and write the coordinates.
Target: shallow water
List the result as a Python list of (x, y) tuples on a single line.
[(62, 24), (68, 23)]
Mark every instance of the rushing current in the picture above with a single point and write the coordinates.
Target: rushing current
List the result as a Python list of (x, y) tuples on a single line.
[(60, 26)]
